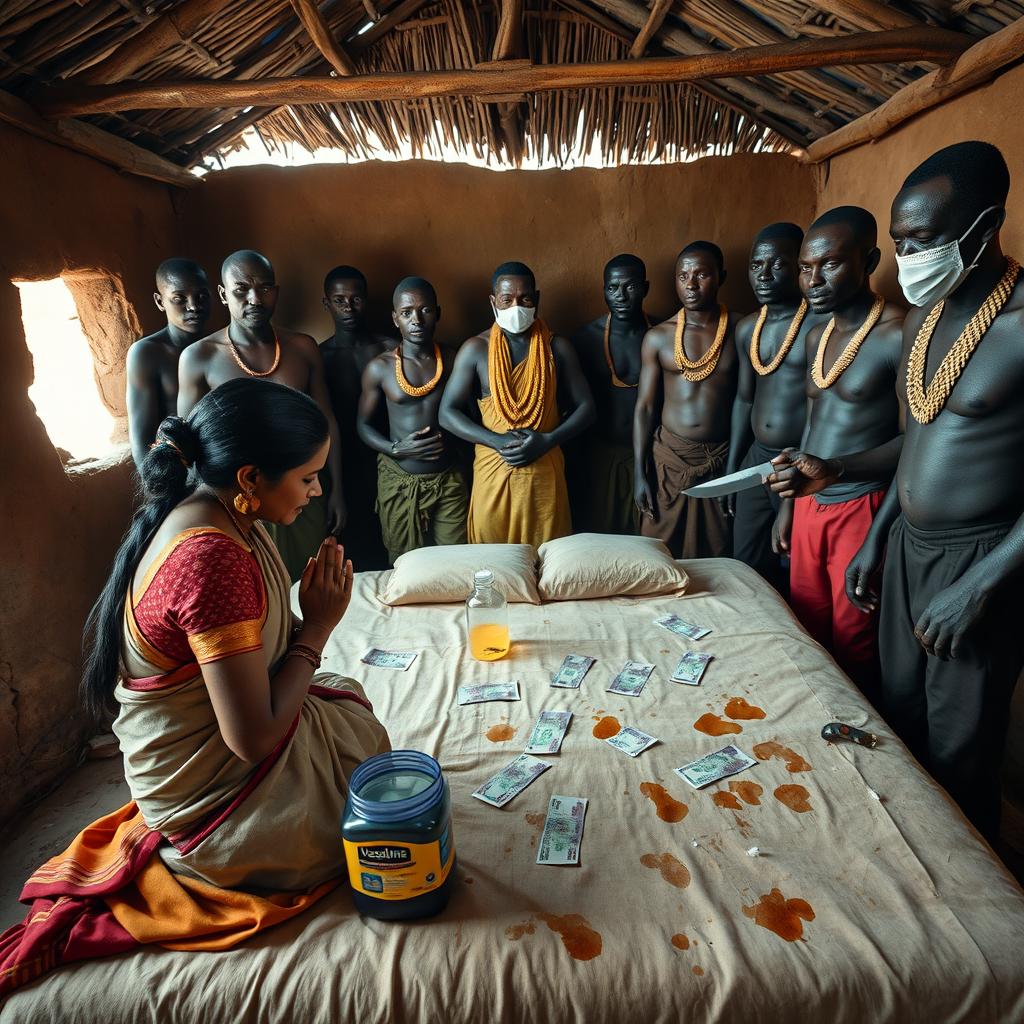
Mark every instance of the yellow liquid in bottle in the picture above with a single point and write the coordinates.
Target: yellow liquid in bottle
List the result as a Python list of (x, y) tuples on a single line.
[(489, 642)]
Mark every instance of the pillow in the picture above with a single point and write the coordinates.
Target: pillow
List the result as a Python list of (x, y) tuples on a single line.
[(438, 575), (604, 565)]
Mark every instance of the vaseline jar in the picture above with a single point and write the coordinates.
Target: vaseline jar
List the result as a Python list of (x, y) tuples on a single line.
[(397, 834)]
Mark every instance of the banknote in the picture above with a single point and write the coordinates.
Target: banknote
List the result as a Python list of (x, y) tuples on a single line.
[(719, 764), (631, 679), (511, 780), (674, 624), (548, 733), (572, 670), (477, 693), (631, 741), (563, 831), (388, 659), (691, 668)]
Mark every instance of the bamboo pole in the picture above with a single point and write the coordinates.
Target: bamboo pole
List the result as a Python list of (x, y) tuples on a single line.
[(973, 67), (924, 43), (319, 31), (659, 8), (865, 14)]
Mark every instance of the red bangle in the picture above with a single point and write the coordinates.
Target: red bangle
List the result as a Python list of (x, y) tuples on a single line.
[(305, 652)]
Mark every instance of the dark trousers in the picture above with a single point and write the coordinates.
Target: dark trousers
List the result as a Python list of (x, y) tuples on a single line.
[(952, 714), (756, 510)]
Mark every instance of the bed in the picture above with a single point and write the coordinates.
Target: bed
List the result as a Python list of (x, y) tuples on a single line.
[(869, 899)]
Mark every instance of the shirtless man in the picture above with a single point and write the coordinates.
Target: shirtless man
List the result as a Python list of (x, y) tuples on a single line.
[(251, 346), (421, 492), (347, 353), (852, 361), (183, 295), (608, 348), (523, 379), (688, 366), (770, 408), (952, 529)]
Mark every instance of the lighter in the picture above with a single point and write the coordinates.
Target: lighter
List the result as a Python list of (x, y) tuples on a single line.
[(841, 731)]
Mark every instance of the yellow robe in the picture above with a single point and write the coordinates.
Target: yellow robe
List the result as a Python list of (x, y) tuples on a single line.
[(525, 505)]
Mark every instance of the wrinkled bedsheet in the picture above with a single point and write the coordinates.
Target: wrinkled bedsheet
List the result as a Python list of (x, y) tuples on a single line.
[(871, 898)]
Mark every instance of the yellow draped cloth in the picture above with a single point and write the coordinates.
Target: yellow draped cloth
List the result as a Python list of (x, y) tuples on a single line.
[(526, 504)]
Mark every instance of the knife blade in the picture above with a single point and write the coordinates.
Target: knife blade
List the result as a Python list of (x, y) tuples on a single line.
[(732, 482)]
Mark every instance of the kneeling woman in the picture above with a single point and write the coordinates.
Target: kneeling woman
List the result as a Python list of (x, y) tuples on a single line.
[(236, 755)]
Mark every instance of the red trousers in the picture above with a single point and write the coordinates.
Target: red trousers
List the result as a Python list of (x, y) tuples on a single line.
[(825, 538)]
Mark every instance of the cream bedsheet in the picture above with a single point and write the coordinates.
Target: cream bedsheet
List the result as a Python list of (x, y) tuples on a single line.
[(914, 919)]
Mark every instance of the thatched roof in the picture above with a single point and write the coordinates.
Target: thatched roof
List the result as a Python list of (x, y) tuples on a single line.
[(100, 42)]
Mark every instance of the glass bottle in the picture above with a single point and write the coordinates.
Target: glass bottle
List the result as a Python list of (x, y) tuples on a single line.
[(486, 619)]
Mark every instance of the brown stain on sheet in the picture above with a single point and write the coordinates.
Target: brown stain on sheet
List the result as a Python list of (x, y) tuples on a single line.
[(606, 727), (780, 915), (743, 825), (794, 797), (674, 872), (669, 808), (794, 762), (580, 940), (516, 931), (537, 821), (680, 942), (697, 970), (739, 708), (714, 725), (748, 792), (469, 881), (723, 799), (500, 733)]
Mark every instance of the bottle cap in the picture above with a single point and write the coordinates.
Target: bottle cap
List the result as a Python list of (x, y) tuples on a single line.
[(483, 577)]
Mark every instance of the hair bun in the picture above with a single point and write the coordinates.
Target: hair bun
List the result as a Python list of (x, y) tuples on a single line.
[(177, 434)]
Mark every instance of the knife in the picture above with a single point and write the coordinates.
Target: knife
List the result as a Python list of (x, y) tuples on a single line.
[(729, 484)]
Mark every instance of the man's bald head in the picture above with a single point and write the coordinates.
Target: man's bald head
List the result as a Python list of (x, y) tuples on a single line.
[(246, 259), (782, 232), (409, 285), (179, 270), (512, 268), (774, 259), (707, 248), (626, 261), (858, 221), (838, 256)]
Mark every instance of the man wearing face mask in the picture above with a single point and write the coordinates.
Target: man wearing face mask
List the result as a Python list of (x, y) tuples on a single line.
[(601, 461), (525, 378), (688, 369), (251, 346), (952, 647), (852, 362), (771, 407)]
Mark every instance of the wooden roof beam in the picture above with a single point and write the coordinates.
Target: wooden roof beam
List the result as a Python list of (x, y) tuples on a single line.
[(320, 32), (865, 14), (973, 67), (659, 8), (923, 43)]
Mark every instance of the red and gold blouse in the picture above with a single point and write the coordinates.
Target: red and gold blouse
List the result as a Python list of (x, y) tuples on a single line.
[(202, 599)]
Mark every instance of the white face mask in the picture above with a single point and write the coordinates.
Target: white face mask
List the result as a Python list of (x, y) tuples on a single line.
[(934, 274), (515, 319)]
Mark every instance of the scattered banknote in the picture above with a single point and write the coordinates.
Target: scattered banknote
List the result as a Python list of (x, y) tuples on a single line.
[(478, 693), (674, 624), (563, 831), (691, 668), (511, 780), (572, 671), (388, 659), (548, 733), (714, 766), (631, 679), (631, 741)]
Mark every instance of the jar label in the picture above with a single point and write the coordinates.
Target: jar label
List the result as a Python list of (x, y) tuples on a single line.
[(399, 871)]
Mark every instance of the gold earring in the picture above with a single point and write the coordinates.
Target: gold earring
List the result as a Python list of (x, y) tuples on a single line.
[(246, 503)]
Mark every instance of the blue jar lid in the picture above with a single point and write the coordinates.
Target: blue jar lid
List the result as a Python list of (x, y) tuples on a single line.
[(395, 786)]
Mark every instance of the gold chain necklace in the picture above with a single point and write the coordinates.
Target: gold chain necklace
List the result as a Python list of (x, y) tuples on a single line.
[(787, 343), (696, 370), (616, 380), (525, 412), (424, 389), (848, 354), (926, 403), (248, 369)]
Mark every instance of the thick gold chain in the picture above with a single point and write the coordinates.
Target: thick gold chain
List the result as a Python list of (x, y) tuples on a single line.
[(848, 354), (526, 409), (608, 352), (248, 369), (787, 343), (423, 389), (926, 403), (695, 370)]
